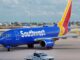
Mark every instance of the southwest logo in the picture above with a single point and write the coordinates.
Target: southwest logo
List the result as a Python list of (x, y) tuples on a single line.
[(32, 33)]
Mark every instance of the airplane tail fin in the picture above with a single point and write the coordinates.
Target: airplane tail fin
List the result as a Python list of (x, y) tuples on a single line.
[(63, 24)]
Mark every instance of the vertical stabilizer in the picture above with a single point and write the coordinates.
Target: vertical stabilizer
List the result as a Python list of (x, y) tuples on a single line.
[(63, 24)]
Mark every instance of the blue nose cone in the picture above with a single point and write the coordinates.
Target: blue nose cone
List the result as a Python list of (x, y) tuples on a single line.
[(1, 39)]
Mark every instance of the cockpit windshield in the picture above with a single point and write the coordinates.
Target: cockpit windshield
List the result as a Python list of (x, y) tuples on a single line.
[(5, 35)]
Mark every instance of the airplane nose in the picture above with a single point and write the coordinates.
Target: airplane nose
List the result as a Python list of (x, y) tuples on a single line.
[(1, 40)]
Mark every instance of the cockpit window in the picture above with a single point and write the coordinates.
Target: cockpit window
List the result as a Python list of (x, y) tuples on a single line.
[(6, 35)]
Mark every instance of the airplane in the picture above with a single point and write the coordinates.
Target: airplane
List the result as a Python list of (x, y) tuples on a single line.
[(45, 36)]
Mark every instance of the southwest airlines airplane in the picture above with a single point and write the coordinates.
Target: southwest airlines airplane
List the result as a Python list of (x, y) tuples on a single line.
[(45, 36)]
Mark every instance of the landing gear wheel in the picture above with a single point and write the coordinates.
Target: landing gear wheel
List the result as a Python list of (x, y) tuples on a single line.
[(30, 45), (8, 49)]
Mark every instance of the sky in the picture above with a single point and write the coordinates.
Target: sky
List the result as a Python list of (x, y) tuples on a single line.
[(36, 10)]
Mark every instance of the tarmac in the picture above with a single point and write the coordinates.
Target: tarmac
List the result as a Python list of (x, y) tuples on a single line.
[(64, 49)]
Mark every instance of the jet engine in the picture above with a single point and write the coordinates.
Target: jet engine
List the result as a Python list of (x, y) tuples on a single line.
[(47, 43)]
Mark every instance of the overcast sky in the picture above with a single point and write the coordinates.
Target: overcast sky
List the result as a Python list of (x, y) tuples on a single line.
[(36, 10)]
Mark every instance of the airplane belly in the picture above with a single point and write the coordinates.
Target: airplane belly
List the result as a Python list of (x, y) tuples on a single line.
[(18, 41)]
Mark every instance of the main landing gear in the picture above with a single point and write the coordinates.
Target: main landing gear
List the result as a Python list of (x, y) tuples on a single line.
[(8, 49), (30, 45)]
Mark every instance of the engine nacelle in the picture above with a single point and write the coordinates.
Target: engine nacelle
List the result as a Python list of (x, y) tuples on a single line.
[(47, 43)]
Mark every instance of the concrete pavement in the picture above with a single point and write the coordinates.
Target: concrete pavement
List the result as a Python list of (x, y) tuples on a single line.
[(65, 49)]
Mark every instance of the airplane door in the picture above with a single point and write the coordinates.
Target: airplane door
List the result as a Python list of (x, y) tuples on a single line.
[(17, 37), (22, 40)]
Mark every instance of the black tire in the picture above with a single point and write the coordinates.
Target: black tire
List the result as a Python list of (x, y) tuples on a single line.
[(8, 49), (30, 45)]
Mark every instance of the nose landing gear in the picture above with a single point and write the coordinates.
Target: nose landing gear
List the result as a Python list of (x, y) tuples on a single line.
[(8, 48)]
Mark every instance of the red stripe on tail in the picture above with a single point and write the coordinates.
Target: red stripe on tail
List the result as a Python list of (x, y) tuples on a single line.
[(66, 22)]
